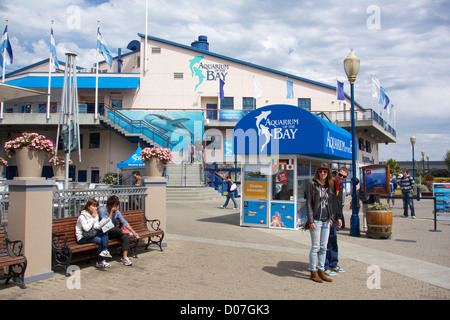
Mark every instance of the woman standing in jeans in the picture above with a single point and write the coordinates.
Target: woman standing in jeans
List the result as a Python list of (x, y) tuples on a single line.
[(319, 218)]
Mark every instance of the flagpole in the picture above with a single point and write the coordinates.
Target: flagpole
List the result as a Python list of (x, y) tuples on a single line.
[(146, 34), (96, 74), (3, 74), (49, 76)]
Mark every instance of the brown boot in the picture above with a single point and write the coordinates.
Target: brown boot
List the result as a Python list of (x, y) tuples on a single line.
[(315, 277), (324, 276)]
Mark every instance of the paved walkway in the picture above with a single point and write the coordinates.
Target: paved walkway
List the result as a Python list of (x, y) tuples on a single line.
[(209, 256)]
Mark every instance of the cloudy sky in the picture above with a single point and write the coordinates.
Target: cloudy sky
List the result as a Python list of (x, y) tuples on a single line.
[(404, 44)]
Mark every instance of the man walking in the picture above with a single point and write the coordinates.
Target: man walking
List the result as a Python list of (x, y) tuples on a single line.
[(406, 184)]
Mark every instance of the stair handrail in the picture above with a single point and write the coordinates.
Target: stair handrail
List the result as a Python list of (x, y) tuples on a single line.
[(138, 124)]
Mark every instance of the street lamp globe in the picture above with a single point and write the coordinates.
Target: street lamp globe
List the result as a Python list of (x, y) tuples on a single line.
[(351, 66)]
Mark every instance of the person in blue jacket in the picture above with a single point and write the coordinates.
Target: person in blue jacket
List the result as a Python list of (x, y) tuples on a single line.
[(123, 232)]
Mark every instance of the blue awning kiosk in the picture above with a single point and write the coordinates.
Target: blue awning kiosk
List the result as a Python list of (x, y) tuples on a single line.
[(134, 161), (281, 147)]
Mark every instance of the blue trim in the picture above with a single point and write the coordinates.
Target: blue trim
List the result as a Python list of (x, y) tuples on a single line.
[(109, 82)]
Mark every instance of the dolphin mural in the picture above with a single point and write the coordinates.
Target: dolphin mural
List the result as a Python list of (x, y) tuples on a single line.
[(168, 124)]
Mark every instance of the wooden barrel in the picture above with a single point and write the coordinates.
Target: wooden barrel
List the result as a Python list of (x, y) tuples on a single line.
[(379, 224)]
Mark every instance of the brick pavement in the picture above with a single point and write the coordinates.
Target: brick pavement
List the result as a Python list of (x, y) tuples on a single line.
[(209, 256)]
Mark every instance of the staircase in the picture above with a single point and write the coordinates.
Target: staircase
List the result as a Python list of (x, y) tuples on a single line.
[(185, 175), (184, 194), (132, 137), (134, 130)]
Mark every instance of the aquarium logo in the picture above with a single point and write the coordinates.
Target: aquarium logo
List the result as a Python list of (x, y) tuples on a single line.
[(338, 144), (279, 129), (213, 71)]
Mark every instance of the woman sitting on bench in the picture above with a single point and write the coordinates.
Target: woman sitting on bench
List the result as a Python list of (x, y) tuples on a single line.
[(88, 230)]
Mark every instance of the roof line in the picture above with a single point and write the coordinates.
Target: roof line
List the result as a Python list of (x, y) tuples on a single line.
[(245, 63)]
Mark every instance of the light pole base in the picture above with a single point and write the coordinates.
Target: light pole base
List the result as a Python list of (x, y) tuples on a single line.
[(354, 226)]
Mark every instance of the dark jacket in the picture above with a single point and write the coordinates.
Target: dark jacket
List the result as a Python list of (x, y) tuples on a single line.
[(338, 202), (313, 208)]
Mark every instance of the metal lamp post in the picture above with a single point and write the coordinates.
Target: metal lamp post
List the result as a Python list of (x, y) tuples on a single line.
[(423, 162), (413, 142), (351, 66), (428, 162)]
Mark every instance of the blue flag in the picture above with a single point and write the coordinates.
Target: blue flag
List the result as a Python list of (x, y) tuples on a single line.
[(382, 95), (221, 84), (53, 51), (340, 90), (103, 48), (387, 101), (5, 48), (290, 89)]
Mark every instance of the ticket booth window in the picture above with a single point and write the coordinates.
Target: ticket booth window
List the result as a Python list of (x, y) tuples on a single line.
[(283, 180)]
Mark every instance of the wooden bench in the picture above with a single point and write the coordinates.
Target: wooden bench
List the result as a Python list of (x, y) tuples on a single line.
[(66, 250), (11, 256)]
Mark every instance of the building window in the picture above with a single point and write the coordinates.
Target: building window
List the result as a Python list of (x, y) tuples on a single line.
[(95, 176), (305, 103), (248, 103), (227, 103), (368, 146), (361, 144), (94, 140), (213, 142)]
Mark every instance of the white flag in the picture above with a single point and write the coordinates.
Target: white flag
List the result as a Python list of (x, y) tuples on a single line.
[(375, 88), (257, 91)]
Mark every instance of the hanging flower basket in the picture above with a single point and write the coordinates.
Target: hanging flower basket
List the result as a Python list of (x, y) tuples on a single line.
[(155, 159), (30, 150)]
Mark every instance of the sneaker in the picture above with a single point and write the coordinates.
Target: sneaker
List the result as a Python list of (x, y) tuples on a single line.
[(330, 273), (413, 217), (222, 207), (102, 264), (235, 209), (105, 254), (126, 261), (338, 269)]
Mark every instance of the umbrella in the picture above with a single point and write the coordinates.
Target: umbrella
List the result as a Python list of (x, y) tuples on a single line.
[(68, 123)]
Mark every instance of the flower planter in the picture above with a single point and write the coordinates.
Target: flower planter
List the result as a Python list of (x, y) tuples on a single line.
[(379, 224), (154, 168), (29, 164), (59, 171)]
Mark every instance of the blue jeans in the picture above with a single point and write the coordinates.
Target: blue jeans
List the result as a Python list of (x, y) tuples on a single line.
[(230, 195), (408, 201), (331, 260), (319, 240), (101, 239)]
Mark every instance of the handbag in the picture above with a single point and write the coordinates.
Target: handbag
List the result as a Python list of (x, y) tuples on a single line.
[(89, 235), (233, 187)]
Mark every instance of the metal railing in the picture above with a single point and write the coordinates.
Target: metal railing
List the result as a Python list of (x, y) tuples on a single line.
[(4, 203), (137, 126), (69, 202)]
